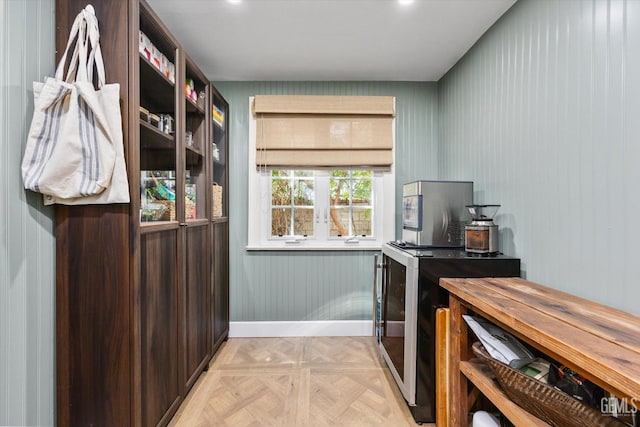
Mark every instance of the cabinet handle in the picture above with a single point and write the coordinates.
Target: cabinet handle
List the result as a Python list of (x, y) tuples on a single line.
[(183, 224)]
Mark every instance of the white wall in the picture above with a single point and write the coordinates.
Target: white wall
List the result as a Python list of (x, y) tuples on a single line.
[(27, 246), (544, 115)]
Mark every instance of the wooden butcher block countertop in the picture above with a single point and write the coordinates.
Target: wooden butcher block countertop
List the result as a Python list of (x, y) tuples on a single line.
[(599, 342)]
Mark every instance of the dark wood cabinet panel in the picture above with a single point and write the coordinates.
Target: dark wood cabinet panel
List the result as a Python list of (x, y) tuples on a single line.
[(92, 342), (159, 312), (196, 299), (220, 315)]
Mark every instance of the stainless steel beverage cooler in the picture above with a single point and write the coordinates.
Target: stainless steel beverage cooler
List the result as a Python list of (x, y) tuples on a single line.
[(405, 313)]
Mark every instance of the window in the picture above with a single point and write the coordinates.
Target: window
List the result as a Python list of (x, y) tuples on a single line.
[(316, 209), (292, 203), (351, 203)]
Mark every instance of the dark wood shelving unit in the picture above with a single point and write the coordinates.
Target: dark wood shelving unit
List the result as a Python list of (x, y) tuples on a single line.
[(136, 310)]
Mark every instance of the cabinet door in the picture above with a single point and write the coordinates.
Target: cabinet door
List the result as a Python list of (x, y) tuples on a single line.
[(220, 153), (159, 191), (195, 142), (220, 283), (197, 302), (159, 328)]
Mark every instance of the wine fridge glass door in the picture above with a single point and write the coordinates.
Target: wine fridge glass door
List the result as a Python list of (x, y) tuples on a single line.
[(399, 305)]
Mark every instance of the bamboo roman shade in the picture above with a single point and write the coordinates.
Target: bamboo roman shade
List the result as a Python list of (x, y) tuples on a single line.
[(324, 131)]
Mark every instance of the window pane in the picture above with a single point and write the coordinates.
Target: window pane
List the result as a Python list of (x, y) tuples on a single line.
[(303, 173), (339, 191), (339, 222), (362, 221), (304, 195), (362, 174), (280, 192), (280, 221), (303, 222), (339, 174), (362, 192)]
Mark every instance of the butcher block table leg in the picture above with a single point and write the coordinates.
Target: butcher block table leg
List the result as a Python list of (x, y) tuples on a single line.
[(458, 348)]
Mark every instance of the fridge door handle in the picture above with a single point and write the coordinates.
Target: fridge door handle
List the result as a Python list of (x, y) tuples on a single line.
[(377, 321)]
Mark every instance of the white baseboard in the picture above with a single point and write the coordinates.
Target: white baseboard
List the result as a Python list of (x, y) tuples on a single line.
[(328, 328)]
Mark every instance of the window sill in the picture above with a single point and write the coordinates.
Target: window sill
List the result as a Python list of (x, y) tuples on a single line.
[(371, 247)]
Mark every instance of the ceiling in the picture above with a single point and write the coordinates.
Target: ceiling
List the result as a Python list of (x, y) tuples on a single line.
[(365, 40)]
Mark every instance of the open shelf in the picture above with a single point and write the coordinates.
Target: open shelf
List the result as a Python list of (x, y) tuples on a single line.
[(161, 91), (193, 149), (481, 376), (151, 137), (192, 107)]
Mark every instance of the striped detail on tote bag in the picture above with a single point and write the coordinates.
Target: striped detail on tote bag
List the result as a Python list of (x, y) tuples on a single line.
[(46, 141)]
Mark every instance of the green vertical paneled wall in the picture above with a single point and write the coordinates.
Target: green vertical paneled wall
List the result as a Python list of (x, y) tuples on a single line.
[(543, 114), (293, 286), (27, 246)]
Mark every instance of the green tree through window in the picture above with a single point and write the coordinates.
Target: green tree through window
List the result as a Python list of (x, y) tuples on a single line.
[(350, 203), (292, 203)]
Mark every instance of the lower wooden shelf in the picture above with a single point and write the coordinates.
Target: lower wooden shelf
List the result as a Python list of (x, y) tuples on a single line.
[(481, 376)]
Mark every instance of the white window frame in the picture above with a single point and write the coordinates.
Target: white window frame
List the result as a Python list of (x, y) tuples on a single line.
[(259, 207)]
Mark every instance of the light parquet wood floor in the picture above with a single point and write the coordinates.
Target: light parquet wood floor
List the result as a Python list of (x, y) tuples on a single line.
[(306, 381)]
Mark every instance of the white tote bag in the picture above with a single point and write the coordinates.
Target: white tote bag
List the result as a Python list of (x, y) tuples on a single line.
[(74, 153)]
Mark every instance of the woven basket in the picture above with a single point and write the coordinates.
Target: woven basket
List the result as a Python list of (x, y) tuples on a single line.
[(170, 213), (545, 402), (189, 209), (217, 200)]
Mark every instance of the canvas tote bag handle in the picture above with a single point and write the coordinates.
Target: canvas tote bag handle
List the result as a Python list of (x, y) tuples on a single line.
[(95, 57), (87, 36), (78, 30)]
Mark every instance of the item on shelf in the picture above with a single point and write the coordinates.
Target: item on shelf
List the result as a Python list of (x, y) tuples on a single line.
[(218, 115), (154, 120), (144, 46), (170, 214), (575, 385), (164, 65), (156, 57), (215, 152), (190, 201), (538, 369), (157, 185), (171, 72), (188, 139), (190, 191), (485, 419), (144, 113), (500, 344), (152, 212), (545, 402), (190, 90), (217, 200), (166, 123), (201, 98)]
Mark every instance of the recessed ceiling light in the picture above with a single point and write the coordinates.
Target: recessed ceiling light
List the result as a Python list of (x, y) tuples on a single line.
[(405, 2), (234, 1)]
